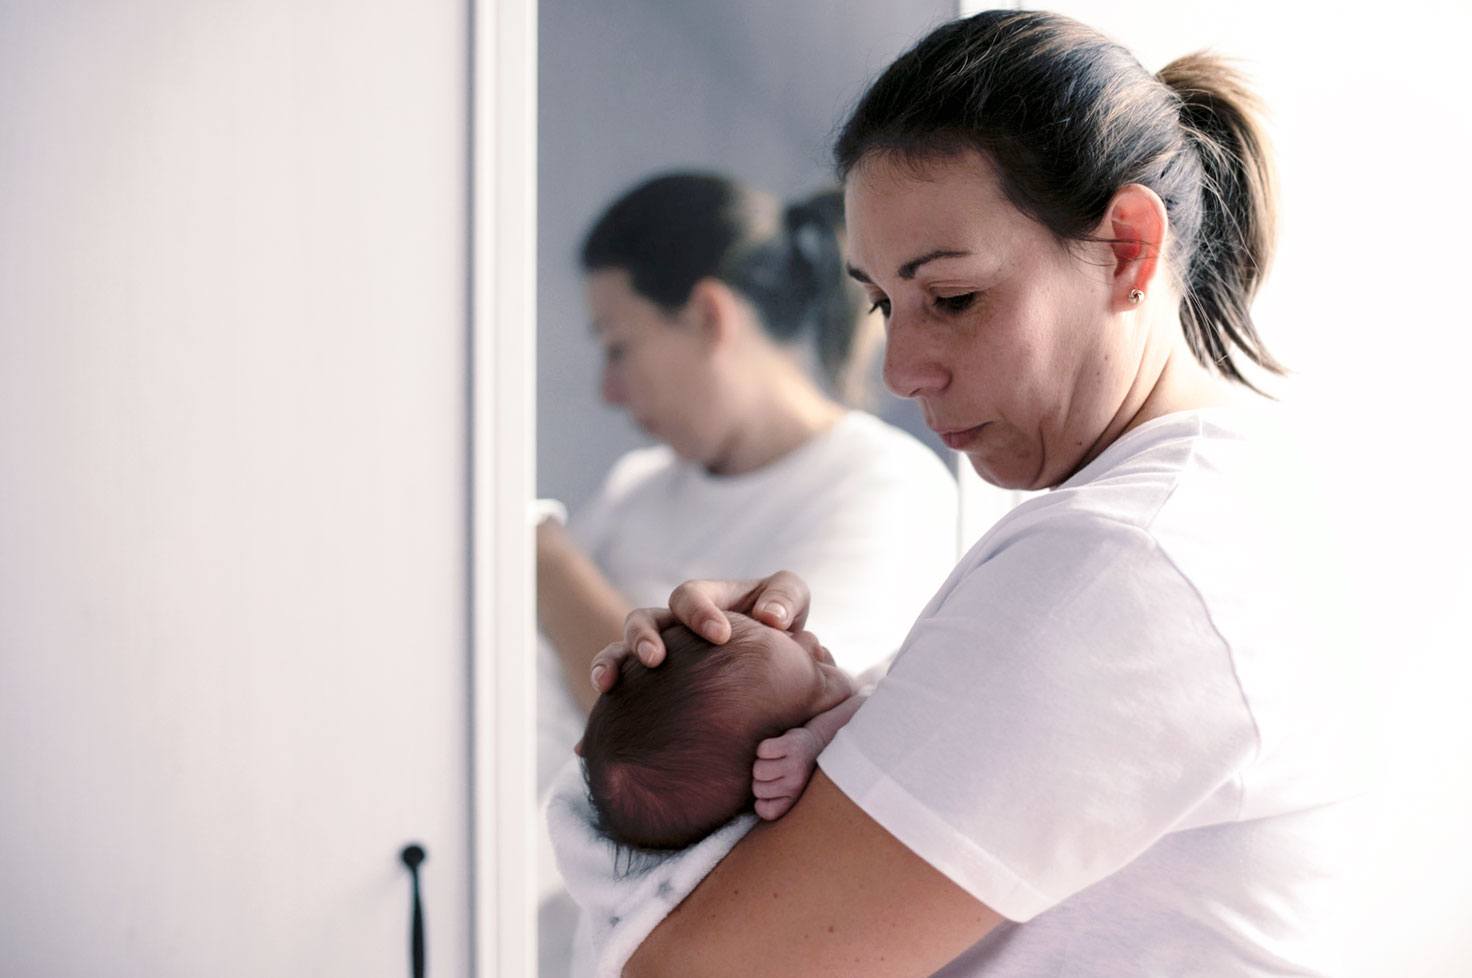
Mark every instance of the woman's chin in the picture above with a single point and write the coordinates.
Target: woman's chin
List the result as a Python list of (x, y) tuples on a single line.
[(991, 474), (1017, 472)]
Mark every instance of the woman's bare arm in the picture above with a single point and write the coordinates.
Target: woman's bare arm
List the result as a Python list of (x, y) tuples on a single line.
[(825, 891), (578, 609)]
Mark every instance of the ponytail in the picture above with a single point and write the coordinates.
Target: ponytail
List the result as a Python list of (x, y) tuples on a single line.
[(1233, 244)]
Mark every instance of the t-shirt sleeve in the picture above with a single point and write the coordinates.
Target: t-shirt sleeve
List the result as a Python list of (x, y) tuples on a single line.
[(1066, 703), (591, 524)]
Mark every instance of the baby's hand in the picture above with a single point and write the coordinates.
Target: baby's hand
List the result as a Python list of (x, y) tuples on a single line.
[(782, 769)]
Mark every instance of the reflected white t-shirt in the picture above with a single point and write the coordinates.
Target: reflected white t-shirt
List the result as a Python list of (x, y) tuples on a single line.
[(1129, 720), (863, 512)]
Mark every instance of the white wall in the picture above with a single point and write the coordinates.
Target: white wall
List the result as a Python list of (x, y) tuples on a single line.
[(232, 485)]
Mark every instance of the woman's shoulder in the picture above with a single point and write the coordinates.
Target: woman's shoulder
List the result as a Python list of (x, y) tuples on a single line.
[(1191, 496), (1172, 466), (633, 476), (637, 467)]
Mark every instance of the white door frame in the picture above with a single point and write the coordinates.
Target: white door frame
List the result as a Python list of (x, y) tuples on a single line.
[(502, 301)]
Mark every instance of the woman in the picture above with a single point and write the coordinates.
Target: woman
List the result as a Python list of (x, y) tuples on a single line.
[(1117, 741), (709, 300)]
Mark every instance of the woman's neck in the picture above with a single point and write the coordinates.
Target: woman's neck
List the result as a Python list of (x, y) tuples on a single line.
[(1185, 384), (782, 414)]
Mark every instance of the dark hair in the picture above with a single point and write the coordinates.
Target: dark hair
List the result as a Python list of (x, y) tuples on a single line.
[(674, 230), (668, 752), (1069, 117)]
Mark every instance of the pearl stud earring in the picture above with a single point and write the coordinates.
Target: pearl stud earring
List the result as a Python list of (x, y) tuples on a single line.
[(1135, 296)]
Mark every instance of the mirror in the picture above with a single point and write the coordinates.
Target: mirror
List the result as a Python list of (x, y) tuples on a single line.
[(629, 89)]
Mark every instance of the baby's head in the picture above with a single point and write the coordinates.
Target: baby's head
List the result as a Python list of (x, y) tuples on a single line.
[(668, 751)]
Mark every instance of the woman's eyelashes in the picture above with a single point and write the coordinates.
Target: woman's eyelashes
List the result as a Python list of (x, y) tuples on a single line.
[(956, 303), (945, 304)]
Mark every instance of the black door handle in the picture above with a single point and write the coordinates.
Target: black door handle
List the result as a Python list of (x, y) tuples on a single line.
[(412, 855)]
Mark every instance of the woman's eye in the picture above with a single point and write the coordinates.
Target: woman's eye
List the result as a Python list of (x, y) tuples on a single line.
[(613, 354), (955, 303), (880, 306)]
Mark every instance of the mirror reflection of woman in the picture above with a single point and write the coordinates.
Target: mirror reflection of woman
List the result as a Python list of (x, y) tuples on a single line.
[(715, 305), (1125, 737)]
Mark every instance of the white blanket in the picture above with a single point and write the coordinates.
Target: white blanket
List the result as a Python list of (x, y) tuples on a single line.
[(622, 893)]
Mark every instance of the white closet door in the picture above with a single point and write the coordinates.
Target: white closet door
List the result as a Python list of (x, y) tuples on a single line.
[(233, 470)]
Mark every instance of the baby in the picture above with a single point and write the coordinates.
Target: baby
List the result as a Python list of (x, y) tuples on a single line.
[(668, 752)]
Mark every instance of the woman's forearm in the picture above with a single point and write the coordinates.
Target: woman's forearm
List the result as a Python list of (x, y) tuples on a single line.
[(579, 611)]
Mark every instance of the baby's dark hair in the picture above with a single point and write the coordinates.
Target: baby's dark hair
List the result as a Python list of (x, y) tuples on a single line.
[(667, 753)]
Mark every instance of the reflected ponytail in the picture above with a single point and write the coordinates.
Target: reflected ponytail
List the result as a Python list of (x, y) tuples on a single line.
[(673, 230), (798, 283)]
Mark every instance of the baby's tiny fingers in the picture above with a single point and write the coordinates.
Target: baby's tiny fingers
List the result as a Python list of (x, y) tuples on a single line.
[(772, 770), (770, 789), (773, 808), (773, 747)]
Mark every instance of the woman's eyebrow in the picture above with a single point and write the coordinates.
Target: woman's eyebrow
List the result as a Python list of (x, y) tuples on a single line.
[(908, 269)]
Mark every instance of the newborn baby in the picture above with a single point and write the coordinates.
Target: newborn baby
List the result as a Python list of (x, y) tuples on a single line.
[(672, 753)]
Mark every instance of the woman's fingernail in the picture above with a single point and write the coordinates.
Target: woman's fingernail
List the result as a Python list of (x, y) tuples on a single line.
[(711, 629), (775, 610), (645, 649), (598, 671)]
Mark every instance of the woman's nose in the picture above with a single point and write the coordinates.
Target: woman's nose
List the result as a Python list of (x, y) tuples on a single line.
[(911, 369)]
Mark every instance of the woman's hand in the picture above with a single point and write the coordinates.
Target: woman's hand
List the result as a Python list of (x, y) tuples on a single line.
[(780, 600)]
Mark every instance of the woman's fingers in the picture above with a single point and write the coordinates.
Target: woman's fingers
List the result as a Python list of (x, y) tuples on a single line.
[(641, 637), (641, 633), (779, 600), (605, 666), (782, 601), (701, 606)]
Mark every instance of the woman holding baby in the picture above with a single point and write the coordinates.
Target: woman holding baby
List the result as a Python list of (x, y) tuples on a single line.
[(1116, 742)]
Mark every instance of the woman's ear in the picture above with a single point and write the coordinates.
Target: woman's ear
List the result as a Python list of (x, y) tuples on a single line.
[(712, 311), (1136, 227)]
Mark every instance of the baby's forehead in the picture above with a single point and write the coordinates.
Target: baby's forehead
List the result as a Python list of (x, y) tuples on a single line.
[(750, 632)]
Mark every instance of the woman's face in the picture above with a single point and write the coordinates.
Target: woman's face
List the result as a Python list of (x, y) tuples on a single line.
[(655, 366), (1003, 334)]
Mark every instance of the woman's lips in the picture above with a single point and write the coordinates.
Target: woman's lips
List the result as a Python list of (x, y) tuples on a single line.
[(958, 440)]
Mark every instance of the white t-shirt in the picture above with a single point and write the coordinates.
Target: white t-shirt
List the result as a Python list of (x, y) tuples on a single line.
[(864, 513), (1128, 721)]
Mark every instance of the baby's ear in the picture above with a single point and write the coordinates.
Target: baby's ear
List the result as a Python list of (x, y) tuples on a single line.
[(578, 747)]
